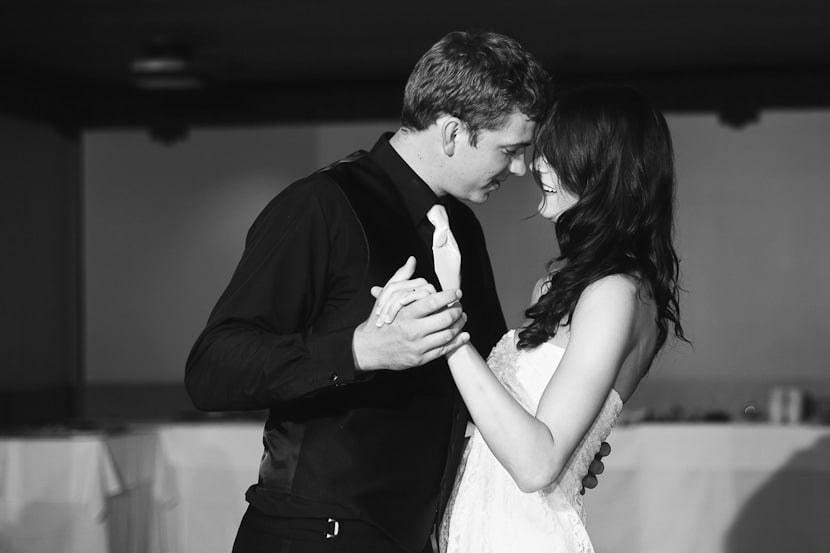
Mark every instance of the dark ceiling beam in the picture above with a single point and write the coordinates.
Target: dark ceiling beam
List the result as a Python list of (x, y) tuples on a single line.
[(737, 95)]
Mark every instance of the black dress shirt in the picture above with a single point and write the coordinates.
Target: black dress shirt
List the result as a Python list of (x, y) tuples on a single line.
[(380, 446)]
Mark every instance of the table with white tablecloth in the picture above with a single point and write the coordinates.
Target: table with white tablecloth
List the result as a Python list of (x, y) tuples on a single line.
[(155, 488), (179, 488), (201, 473), (668, 488), (713, 488), (54, 492), (131, 521)]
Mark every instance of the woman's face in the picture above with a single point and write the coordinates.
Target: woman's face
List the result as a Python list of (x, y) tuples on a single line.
[(555, 199)]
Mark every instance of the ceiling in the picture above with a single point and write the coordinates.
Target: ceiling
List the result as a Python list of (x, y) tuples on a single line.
[(69, 61)]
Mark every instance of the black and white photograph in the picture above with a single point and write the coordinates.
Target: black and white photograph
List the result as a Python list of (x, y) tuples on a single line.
[(444, 277)]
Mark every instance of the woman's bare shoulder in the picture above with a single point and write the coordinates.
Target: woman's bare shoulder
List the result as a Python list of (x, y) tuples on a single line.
[(615, 297), (617, 286)]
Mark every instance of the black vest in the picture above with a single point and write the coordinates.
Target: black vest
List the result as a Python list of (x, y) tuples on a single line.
[(385, 448)]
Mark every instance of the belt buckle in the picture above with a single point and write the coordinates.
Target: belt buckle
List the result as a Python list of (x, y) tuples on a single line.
[(335, 529)]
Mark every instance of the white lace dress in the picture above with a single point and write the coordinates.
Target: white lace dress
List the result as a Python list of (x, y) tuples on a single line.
[(487, 512)]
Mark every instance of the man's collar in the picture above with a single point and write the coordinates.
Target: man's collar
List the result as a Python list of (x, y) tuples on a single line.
[(418, 196)]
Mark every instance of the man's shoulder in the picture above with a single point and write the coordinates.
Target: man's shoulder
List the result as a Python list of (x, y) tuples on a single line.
[(307, 190), (357, 168), (317, 193), (320, 181), (321, 184), (358, 157)]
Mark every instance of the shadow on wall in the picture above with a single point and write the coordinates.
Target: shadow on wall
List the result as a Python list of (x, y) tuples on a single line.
[(791, 511)]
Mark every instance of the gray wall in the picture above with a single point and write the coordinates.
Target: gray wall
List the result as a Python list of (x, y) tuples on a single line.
[(165, 224), (39, 271)]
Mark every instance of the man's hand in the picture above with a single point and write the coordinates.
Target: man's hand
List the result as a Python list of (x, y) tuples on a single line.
[(596, 467), (422, 327)]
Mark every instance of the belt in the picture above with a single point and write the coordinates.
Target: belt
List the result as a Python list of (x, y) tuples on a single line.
[(328, 528), (314, 529), (331, 528)]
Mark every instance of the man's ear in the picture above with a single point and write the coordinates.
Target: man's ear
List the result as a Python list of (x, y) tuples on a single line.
[(451, 131)]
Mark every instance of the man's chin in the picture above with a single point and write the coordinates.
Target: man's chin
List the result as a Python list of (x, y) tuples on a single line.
[(482, 196)]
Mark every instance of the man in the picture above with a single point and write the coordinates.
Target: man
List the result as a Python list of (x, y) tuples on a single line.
[(359, 454)]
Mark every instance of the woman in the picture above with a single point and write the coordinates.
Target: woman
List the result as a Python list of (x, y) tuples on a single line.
[(551, 391)]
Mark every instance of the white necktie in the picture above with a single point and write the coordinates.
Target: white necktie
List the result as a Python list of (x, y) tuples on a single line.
[(445, 252)]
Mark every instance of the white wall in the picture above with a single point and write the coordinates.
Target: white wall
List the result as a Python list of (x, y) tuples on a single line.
[(165, 227)]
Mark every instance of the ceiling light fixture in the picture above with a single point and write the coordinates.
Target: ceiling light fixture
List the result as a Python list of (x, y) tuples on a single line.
[(165, 65)]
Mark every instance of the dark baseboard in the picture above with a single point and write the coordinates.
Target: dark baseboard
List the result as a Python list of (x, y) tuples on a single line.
[(146, 402), (37, 406), (135, 402)]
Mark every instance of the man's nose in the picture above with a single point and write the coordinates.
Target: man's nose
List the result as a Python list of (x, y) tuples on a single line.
[(518, 166)]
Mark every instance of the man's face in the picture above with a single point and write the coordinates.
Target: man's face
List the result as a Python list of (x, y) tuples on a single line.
[(480, 169)]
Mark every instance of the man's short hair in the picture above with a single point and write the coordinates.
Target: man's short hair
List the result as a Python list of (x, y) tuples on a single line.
[(479, 77)]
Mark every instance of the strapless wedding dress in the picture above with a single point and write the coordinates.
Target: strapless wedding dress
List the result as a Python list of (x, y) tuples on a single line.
[(487, 512)]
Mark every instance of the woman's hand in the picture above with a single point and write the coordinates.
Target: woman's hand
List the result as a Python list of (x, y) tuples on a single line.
[(398, 292), (445, 252)]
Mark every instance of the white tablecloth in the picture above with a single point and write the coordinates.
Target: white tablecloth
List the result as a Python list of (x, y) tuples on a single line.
[(131, 513), (53, 494), (179, 488), (201, 473), (731, 488)]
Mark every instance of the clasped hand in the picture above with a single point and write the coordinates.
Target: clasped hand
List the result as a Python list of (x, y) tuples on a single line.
[(410, 325), (404, 301)]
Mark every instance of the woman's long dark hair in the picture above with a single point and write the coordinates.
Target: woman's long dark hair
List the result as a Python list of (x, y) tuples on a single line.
[(612, 149)]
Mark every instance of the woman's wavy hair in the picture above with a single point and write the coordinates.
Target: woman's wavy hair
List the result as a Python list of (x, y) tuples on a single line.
[(612, 149), (480, 77)]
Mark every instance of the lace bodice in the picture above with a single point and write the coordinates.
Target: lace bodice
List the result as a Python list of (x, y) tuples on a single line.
[(488, 512)]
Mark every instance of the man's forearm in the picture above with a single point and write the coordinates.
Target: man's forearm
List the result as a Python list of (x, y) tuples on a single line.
[(242, 368)]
